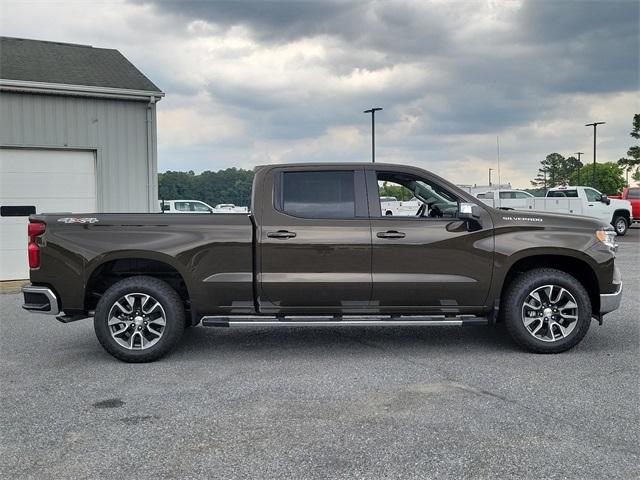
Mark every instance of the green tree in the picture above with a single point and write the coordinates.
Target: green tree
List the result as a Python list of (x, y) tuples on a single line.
[(392, 190), (553, 171), (231, 185), (573, 166), (631, 164), (609, 178)]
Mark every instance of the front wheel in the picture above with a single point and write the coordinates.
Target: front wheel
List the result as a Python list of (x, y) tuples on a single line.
[(621, 225), (139, 319), (547, 311)]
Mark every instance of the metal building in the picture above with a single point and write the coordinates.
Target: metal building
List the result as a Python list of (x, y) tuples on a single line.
[(77, 134)]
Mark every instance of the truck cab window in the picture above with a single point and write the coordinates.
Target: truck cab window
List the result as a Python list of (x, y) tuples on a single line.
[(417, 197), (200, 207), (592, 195), (320, 194)]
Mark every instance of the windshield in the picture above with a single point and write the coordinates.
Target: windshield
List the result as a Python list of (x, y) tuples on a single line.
[(429, 195)]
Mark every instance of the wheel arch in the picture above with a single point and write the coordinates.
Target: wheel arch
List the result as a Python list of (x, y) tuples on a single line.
[(101, 275), (621, 213), (579, 268)]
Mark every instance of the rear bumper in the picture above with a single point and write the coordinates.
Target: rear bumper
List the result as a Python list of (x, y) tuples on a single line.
[(610, 301), (40, 300)]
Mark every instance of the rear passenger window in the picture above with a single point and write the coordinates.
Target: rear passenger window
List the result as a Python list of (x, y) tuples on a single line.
[(318, 194)]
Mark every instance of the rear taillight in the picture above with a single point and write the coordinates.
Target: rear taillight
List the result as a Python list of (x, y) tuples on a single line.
[(34, 230)]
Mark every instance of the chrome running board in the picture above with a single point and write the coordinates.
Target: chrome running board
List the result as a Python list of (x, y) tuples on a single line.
[(342, 321)]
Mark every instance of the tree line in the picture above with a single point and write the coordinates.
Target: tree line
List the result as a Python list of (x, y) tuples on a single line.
[(232, 185), (556, 170)]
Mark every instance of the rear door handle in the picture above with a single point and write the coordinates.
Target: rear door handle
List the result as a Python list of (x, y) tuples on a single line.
[(281, 234), (390, 234)]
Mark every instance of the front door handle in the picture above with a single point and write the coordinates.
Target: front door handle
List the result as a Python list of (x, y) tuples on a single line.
[(390, 234), (281, 234)]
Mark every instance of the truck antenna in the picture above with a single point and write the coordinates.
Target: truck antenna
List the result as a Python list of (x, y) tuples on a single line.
[(499, 183)]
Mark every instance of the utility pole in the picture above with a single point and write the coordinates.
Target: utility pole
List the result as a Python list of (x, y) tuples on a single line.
[(595, 129), (490, 170), (373, 111), (579, 153)]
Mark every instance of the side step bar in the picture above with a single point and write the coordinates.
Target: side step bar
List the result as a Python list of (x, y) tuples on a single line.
[(344, 321)]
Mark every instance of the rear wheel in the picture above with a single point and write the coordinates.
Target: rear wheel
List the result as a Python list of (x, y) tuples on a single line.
[(620, 224), (547, 311), (139, 319)]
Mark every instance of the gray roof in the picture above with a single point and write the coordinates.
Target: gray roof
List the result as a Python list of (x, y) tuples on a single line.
[(69, 64)]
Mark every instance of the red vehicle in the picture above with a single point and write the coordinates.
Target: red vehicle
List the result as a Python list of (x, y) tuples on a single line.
[(633, 195)]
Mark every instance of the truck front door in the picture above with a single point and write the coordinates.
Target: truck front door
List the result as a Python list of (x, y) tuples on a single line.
[(430, 259), (314, 241)]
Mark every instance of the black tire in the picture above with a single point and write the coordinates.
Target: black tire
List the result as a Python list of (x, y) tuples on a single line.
[(518, 292), (620, 224), (168, 299)]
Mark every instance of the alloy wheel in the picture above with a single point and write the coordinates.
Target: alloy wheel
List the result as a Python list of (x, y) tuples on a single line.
[(550, 313), (137, 321)]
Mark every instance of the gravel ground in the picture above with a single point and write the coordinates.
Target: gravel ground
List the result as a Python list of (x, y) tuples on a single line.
[(322, 403)]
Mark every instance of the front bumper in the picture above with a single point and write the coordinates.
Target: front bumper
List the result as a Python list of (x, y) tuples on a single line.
[(40, 300), (610, 301)]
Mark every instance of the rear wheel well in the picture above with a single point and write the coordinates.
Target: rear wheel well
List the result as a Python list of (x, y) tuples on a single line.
[(113, 271), (577, 268)]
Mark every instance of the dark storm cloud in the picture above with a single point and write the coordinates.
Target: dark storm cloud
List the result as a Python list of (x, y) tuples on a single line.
[(402, 28), (495, 78)]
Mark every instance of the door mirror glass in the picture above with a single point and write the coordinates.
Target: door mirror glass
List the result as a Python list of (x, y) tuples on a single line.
[(468, 211), (604, 199)]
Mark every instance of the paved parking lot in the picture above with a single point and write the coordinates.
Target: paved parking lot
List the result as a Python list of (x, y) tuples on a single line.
[(323, 403)]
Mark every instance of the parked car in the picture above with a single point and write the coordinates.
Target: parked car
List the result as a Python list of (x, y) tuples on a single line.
[(505, 199), (632, 195), (317, 250), (229, 208), (185, 206)]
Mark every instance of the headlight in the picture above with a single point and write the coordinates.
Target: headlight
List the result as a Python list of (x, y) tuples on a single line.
[(608, 237)]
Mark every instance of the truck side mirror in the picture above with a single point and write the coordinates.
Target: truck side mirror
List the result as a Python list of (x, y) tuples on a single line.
[(468, 211), (604, 199)]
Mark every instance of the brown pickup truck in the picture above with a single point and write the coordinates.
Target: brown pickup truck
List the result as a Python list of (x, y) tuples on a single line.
[(315, 251)]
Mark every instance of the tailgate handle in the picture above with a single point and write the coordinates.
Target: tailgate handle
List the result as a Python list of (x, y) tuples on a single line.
[(390, 234), (282, 234)]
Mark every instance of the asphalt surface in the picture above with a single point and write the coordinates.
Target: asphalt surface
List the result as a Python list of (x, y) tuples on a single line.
[(350, 403)]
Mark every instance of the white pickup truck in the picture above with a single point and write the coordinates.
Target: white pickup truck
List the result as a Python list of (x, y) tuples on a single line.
[(585, 201)]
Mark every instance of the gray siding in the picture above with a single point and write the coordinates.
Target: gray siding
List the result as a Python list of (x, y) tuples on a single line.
[(115, 129)]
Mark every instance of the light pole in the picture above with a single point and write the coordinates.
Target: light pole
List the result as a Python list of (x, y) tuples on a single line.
[(595, 129), (579, 153), (373, 111), (490, 170)]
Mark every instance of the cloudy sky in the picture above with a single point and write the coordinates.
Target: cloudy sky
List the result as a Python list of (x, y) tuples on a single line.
[(254, 82)]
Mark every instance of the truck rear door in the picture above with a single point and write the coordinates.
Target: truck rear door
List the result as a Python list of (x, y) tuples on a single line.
[(314, 251)]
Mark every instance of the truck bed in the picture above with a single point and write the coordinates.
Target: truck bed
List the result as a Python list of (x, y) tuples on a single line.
[(213, 254)]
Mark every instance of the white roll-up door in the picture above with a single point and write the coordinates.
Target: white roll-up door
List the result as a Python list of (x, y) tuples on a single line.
[(47, 180)]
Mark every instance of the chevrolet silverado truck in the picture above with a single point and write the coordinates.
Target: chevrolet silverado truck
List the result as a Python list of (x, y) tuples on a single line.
[(317, 250)]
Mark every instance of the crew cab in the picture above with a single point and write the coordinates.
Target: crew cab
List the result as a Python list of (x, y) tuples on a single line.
[(317, 250), (632, 195)]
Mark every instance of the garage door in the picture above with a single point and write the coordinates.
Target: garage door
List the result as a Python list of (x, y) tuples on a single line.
[(47, 180)]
